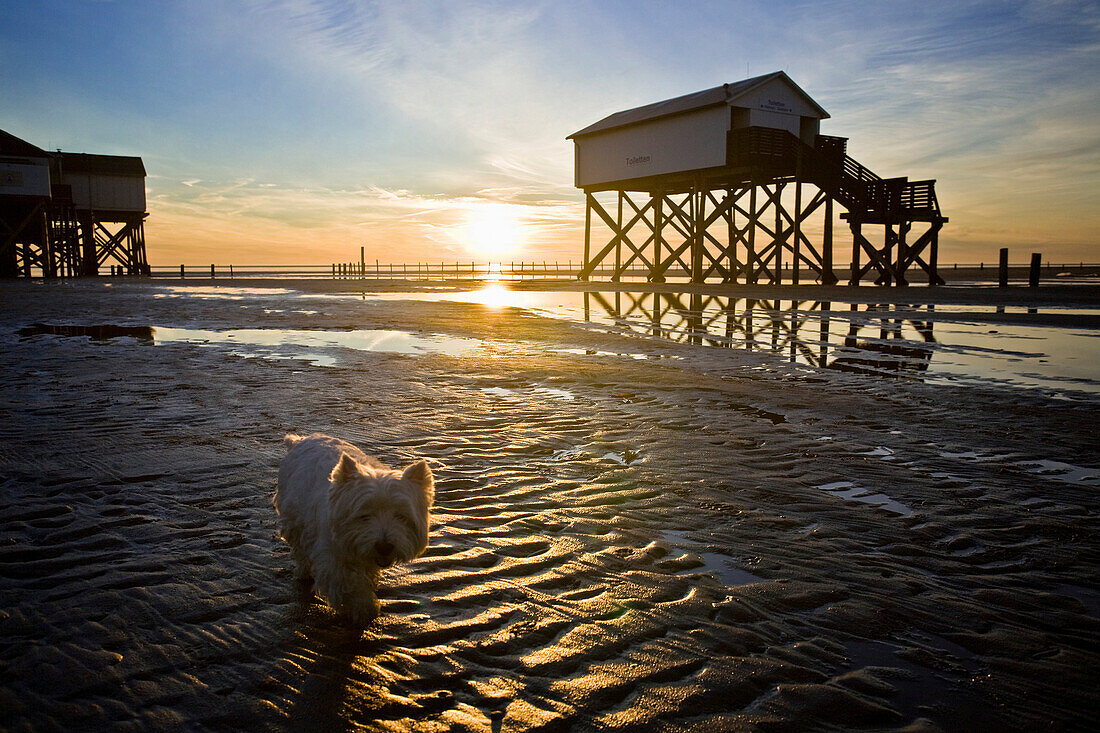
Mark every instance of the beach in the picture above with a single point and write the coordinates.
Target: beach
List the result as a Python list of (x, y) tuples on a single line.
[(629, 533)]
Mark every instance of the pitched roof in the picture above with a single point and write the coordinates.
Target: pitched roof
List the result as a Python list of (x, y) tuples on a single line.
[(725, 94), (104, 165), (12, 145)]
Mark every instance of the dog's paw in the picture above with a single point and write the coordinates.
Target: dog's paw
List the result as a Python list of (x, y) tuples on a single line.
[(361, 611), (361, 617)]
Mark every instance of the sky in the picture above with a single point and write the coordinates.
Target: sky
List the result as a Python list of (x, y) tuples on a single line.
[(298, 131)]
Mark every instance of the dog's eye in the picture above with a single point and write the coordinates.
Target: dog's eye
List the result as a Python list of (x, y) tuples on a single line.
[(407, 522)]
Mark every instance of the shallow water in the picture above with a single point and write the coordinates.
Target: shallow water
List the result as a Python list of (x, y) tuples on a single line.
[(318, 347), (948, 344), (301, 343)]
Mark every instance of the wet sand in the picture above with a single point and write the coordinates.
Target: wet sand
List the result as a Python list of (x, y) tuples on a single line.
[(685, 541)]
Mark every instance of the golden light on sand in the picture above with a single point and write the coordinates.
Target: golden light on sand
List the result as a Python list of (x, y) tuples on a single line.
[(492, 231)]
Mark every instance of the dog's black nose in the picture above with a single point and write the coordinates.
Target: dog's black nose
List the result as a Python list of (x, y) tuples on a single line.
[(384, 548)]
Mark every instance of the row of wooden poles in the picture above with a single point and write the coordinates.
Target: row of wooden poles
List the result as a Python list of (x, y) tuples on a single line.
[(457, 269), (424, 270), (357, 270)]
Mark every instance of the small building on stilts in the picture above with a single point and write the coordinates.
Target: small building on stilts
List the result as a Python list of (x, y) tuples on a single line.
[(736, 184), (68, 214)]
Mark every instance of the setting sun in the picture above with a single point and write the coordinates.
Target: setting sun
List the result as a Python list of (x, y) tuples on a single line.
[(492, 231)]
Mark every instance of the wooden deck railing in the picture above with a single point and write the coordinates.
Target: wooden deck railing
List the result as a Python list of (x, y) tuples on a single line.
[(827, 164)]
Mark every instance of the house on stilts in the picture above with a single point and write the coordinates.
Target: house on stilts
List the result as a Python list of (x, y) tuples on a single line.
[(736, 184), (68, 214)]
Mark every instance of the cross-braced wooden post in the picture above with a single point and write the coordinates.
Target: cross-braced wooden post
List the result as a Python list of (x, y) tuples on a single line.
[(711, 232)]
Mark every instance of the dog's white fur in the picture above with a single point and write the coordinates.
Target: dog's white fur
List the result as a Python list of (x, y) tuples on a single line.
[(347, 517)]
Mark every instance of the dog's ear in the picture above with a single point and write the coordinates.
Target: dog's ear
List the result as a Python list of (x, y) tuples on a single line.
[(346, 469), (420, 474)]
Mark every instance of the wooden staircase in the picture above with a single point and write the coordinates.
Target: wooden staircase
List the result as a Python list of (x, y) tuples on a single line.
[(894, 203)]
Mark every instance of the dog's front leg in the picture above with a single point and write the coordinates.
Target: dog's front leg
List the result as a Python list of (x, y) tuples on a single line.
[(353, 595), (362, 607)]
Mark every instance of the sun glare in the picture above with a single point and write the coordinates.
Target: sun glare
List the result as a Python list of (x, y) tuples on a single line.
[(492, 231)]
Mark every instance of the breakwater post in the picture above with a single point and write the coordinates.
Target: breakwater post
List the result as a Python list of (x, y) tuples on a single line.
[(1033, 276), (1002, 272)]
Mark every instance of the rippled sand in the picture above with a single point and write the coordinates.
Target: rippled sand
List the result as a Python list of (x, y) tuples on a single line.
[(708, 542)]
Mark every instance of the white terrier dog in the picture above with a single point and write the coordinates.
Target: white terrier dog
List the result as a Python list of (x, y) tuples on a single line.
[(347, 517)]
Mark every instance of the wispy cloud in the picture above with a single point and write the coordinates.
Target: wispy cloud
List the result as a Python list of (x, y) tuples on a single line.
[(279, 225)]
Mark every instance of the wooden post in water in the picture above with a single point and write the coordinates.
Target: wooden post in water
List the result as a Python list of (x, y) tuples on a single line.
[(181, 272), (1002, 270), (362, 262), (211, 272), (1033, 276)]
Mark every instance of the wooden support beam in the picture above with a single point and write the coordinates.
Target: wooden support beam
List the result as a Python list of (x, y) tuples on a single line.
[(586, 269), (619, 241), (797, 244), (828, 277), (658, 228)]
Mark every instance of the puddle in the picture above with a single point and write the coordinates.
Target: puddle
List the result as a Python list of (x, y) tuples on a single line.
[(1042, 467), (273, 343), (220, 293), (916, 688), (625, 458), (516, 394), (1062, 472), (880, 451), (850, 492), (96, 333), (493, 295), (714, 563), (720, 566), (595, 352)]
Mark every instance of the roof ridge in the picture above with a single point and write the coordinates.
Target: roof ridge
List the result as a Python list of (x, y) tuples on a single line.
[(723, 94)]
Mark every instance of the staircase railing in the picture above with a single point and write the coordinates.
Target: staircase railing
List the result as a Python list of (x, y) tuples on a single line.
[(827, 165)]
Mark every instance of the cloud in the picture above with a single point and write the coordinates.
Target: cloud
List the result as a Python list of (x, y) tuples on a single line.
[(333, 122), (279, 225)]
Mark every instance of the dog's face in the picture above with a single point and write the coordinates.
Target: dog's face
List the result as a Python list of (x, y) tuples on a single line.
[(380, 516)]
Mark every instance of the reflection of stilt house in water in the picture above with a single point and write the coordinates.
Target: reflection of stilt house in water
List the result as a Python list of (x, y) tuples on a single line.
[(65, 214), (715, 171), (880, 340)]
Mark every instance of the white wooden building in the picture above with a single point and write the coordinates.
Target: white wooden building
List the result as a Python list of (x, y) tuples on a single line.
[(689, 133)]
